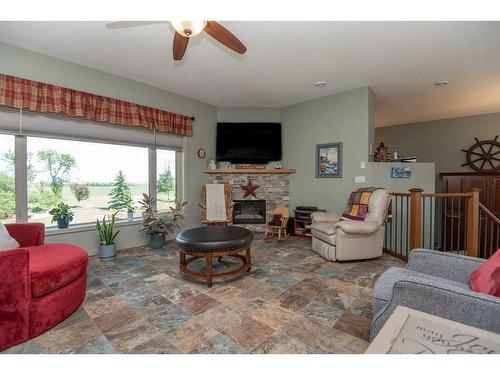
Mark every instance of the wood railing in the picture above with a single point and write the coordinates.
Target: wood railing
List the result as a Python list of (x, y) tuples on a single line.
[(441, 221), (489, 232)]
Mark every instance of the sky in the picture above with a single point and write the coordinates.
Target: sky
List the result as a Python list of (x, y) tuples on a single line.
[(96, 162)]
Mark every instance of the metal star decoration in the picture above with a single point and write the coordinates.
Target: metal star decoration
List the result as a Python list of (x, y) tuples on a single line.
[(249, 189)]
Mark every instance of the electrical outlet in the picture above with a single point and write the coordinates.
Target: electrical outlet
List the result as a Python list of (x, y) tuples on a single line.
[(359, 179), (363, 165)]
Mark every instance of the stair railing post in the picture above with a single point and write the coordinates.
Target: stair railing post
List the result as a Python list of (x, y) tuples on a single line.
[(473, 223), (415, 218)]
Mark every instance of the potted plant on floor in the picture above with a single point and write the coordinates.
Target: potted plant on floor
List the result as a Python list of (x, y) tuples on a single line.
[(62, 214), (157, 225), (107, 235)]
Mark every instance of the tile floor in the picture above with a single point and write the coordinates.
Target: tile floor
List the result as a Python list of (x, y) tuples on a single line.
[(292, 301)]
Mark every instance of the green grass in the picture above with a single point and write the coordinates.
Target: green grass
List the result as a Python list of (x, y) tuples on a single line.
[(67, 194), (96, 205)]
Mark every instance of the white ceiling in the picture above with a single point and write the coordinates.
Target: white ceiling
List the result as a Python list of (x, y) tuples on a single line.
[(399, 60)]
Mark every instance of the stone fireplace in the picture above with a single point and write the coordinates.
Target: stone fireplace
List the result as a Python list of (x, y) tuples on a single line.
[(273, 191), (249, 211)]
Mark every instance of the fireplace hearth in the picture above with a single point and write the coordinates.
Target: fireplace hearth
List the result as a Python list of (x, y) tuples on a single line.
[(249, 211)]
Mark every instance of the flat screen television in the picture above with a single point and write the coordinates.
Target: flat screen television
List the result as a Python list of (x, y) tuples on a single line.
[(249, 142)]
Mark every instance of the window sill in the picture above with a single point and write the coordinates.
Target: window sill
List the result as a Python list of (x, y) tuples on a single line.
[(86, 227)]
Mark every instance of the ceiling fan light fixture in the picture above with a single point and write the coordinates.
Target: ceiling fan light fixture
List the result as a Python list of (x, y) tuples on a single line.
[(189, 28)]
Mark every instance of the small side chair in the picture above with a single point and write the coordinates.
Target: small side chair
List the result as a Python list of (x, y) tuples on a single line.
[(278, 223)]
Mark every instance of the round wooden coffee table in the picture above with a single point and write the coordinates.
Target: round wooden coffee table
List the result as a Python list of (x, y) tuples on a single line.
[(214, 241)]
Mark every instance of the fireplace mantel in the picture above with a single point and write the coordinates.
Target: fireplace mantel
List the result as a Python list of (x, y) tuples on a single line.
[(249, 170)]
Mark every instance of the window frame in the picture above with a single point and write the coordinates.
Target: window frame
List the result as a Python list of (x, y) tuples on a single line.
[(21, 182)]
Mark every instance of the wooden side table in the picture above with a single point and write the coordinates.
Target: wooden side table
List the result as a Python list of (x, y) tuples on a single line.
[(409, 331)]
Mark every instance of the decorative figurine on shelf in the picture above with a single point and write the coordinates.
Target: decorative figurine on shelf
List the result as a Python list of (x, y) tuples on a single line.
[(211, 164), (380, 153), (395, 154)]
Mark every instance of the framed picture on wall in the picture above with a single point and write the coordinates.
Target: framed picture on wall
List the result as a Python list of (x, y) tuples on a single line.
[(329, 160), (400, 172)]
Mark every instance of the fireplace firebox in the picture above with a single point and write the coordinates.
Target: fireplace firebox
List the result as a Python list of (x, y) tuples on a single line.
[(249, 211)]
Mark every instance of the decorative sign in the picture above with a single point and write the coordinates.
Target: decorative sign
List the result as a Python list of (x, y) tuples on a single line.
[(424, 336), (401, 172), (250, 166)]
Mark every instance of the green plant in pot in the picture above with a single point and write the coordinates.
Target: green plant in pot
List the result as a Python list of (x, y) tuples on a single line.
[(107, 235), (156, 224), (62, 214)]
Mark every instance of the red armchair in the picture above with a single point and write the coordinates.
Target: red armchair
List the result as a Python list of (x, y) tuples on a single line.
[(40, 284)]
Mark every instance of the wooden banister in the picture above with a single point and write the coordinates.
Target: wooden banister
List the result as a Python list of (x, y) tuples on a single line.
[(415, 218), (455, 222), (448, 195), (488, 213), (473, 223)]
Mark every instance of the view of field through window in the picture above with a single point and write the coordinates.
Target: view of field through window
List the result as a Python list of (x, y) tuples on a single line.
[(94, 179), (165, 178)]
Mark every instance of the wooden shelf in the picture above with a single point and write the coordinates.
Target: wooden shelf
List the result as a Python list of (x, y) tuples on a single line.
[(250, 170)]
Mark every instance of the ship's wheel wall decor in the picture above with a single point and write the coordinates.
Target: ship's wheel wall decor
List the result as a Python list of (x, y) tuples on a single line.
[(483, 156)]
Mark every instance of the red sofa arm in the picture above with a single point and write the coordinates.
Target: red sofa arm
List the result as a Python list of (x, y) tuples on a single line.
[(15, 297), (27, 234)]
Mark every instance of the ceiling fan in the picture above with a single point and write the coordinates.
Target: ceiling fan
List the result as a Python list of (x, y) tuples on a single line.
[(189, 29)]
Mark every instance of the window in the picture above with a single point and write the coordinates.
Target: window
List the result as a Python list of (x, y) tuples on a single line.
[(165, 179), (93, 178), (7, 181), (95, 168)]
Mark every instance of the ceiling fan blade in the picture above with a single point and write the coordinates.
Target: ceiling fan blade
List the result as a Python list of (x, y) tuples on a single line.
[(179, 46), (224, 36), (126, 24)]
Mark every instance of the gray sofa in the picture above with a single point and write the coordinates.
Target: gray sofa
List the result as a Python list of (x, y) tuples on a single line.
[(436, 283)]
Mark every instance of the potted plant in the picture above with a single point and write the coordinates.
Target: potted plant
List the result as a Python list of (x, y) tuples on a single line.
[(61, 214), (158, 225), (107, 235)]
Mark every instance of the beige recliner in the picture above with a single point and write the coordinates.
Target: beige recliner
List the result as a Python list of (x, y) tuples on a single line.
[(349, 240)]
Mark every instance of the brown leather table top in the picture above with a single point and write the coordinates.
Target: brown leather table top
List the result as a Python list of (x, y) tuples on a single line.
[(213, 238)]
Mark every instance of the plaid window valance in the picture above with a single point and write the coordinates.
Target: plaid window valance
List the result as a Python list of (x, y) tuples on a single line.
[(42, 97)]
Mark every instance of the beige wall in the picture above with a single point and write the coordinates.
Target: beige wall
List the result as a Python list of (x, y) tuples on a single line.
[(343, 117), (440, 141), (31, 65)]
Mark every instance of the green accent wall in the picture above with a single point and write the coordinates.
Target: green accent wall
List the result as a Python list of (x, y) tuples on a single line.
[(344, 117)]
